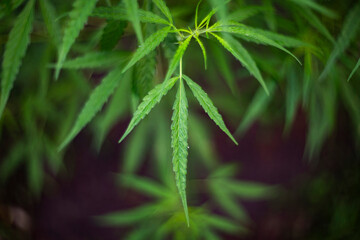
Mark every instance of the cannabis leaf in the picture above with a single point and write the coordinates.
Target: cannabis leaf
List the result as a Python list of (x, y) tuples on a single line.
[(179, 143), (240, 53), (150, 44), (149, 101), (208, 106), (250, 34), (15, 48), (94, 104), (78, 17), (202, 49)]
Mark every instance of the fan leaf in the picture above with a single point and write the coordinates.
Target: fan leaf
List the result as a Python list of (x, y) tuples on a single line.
[(179, 143), (250, 34), (208, 106)]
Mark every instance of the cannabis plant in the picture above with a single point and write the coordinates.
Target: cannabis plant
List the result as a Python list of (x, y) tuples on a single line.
[(306, 58)]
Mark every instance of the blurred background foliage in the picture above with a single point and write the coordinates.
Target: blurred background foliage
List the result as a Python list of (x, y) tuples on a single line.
[(321, 96)]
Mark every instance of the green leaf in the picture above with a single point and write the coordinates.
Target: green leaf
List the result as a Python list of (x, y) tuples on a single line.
[(150, 44), (222, 224), (256, 107), (164, 9), (227, 202), (97, 60), (132, 12), (78, 17), (94, 104), (15, 48), (250, 34), (202, 49), (179, 143), (208, 106), (149, 101), (176, 58), (129, 217), (144, 185), (117, 108), (240, 53), (49, 16), (317, 7), (250, 190), (112, 33), (349, 29), (119, 13), (354, 70)]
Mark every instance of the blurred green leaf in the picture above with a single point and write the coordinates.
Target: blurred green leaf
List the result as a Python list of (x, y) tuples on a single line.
[(94, 104)]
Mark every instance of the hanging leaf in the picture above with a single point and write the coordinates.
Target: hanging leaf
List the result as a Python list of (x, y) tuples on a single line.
[(15, 48), (78, 17), (179, 143), (149, 101), (208, 106), (240, 53), (250, 34), (202, 49)]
